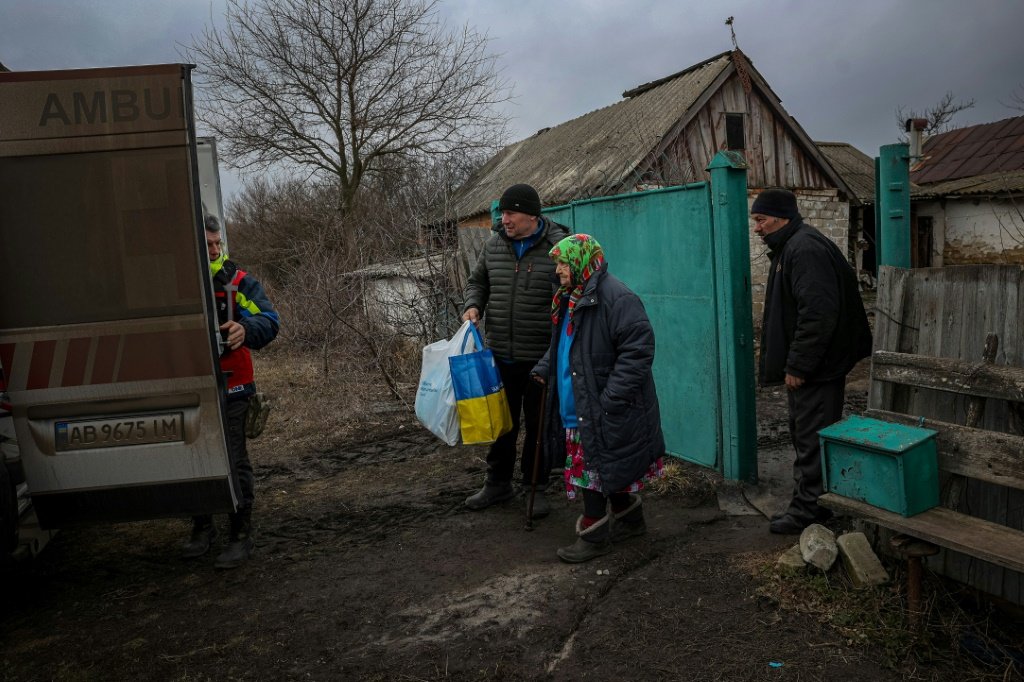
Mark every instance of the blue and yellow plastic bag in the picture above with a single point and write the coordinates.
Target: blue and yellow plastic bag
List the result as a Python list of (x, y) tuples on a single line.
[(480, 396)]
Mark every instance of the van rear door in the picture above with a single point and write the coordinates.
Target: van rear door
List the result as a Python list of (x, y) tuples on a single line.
[(107, 334)]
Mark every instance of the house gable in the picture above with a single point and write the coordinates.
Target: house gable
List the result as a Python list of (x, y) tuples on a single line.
[(778, 152), (663, 133)]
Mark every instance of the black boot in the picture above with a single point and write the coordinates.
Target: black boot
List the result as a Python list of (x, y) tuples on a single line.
[(592, 542), (629, 523), (816, 514), (203, 533), (491, 493), (240, 544)]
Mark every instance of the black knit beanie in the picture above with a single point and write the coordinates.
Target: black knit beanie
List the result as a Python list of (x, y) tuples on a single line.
[(780, 203), (520, 198)]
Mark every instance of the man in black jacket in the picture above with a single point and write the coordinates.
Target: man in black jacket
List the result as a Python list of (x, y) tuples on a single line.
[(813, 332), (511, 288)]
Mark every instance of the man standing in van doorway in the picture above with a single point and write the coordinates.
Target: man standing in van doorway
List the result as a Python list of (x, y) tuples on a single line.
[(247, 322), (813, 332)]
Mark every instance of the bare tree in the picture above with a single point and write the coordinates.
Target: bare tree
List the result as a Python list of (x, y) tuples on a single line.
[(1016, 98), (341, 90), (939, 117), (364, 290)]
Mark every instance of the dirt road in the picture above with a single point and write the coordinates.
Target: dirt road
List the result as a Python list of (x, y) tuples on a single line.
[(369, 568)]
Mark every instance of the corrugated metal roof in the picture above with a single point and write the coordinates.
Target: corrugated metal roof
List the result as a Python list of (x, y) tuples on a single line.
[(1006, 182), (970, 151), (855, 167), (422, 267), (593, 154)]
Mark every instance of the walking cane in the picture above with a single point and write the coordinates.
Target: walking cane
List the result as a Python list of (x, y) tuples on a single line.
[(536, 454)]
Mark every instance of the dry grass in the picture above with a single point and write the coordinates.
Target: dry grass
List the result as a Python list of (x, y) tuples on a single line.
[(685, 480), (314, 412), (955, 636)]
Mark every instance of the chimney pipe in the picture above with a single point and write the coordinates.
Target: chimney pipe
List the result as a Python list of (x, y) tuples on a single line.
[(915, 127)]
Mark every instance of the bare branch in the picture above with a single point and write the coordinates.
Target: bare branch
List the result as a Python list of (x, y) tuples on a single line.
[(345, 89), (939, 116), (1016, 98)]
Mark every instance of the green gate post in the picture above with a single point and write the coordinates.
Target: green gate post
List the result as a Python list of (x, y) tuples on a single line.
[(735, 310), (495, 213), (892, 210)]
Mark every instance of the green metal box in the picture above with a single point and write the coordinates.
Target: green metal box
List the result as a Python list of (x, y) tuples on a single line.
[(887, 465)]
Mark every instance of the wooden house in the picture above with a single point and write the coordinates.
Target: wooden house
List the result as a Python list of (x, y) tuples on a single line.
[(665, 133), (967, 203), (857, 170)]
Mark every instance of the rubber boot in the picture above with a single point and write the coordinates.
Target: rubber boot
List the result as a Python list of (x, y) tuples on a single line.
[(203, 533), (591, 542), (491, 493), (629, 523), (240, 544)]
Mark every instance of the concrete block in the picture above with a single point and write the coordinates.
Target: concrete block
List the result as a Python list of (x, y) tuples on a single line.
[(860, 562), (791, 561), (818, 546)]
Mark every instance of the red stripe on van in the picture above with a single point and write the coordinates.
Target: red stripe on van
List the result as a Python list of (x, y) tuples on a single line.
[(165, 355), (39, 367), (106, 357), (74, 364)]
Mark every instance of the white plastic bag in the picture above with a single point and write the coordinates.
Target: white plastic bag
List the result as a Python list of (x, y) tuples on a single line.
[(435, 397)]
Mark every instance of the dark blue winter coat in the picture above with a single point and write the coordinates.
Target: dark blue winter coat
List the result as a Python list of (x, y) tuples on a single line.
[(611, 360)]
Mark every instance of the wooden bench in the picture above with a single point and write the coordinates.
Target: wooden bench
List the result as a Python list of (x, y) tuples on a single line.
[(964, 452)]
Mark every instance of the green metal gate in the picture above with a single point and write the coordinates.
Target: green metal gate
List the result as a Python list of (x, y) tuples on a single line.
[(685, 251)]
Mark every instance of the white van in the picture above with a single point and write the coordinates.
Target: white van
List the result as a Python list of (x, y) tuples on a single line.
[(108, 337)]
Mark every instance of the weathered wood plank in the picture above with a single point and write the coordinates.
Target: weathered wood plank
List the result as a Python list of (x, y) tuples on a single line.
[(947, 374), (946, 312), (938, 327), (977, 453), (990, 456), (985, 540), (956, 484), (889, 307)]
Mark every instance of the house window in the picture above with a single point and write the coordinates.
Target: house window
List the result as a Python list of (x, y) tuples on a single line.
[(734, 132)]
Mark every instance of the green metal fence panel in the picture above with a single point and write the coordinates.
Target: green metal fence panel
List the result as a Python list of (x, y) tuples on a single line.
[(735, 326), (685, 251), (660, 244), (892, 212)]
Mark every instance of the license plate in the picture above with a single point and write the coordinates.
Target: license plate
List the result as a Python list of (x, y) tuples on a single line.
[(83, 434)]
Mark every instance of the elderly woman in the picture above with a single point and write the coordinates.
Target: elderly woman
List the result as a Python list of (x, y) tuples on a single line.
[(602, 409)]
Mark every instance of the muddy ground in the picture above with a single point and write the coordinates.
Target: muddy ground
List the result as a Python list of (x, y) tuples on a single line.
[(368, 567)]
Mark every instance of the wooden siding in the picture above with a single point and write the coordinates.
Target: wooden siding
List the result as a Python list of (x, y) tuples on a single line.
[(774, 156), (947, 312)]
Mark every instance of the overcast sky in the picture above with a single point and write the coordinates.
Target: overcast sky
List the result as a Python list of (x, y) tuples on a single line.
[(841, 68)]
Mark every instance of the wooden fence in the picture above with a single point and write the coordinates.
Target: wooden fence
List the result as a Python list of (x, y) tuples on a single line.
[(948, 313)]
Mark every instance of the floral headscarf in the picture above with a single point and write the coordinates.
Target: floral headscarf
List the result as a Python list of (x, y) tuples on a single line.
[(584, 257)]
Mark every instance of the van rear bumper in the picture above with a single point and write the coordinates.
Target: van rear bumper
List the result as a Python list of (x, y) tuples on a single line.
[(132, 503)]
